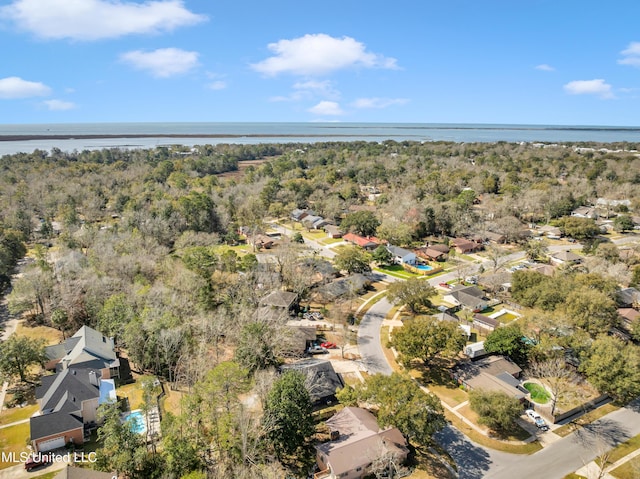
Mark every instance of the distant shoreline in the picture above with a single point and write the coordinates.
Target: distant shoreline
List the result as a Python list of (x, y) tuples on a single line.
[(163, 135)]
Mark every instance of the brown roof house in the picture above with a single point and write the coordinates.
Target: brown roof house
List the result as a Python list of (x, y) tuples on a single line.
[(333, 231), (464, 246), (357, 444), (565, 257), (492, 373), (468, 297), (432, 254)]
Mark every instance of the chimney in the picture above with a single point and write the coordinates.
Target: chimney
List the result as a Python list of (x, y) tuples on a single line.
[(335, 435), (93, 378)]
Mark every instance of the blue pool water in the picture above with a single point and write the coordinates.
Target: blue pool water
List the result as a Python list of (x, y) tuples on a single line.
[(136, 419), (423, 267)]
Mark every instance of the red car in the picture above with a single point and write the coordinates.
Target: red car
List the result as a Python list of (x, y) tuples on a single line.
[(328, 345), (33, 462), (444, 285)]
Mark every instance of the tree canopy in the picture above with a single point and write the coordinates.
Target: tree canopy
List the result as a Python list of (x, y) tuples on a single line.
[(18, 353), (426, 338), (414, 293)]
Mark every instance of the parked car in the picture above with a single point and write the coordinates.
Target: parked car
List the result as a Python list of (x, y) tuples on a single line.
[(35, 461), (328, 345), (537, 420), (317, 349), (444, 285), (532, 414)]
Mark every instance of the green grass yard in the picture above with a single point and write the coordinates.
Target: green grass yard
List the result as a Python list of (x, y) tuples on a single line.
[(538, 393), (15, 414), (13, 439)]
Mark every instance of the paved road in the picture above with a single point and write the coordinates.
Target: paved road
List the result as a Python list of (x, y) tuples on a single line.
[(369, 344)]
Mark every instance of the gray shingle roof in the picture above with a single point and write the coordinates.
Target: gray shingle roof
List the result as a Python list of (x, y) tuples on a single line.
[(66, 390), (322, 381), (54, 423)]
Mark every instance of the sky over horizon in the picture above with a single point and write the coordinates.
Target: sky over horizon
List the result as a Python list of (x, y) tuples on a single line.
[(530, 62)]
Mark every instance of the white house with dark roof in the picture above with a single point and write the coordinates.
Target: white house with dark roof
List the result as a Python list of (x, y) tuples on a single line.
[(401, 255)]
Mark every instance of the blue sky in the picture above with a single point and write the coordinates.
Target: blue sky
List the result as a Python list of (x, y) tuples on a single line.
[(456, 61)]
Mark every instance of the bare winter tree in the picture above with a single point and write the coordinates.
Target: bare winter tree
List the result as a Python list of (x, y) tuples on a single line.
[(557, 375)]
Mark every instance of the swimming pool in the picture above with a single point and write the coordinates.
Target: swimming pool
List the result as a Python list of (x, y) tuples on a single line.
[(136, 420), (423, 267)]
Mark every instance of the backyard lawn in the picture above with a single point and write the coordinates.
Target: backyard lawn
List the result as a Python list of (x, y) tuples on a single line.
[(397, 271), (538, 393), (49, 335)]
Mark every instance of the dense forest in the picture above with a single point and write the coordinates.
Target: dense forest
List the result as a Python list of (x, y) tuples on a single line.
[(131, 242)]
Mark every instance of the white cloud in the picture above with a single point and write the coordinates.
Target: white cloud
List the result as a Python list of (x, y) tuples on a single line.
[(97, 19), (311, 89), (217, 85), (59, 105), (631, 55), (327, 108), (15, 87), (596, 87), (545, 68), (319, 54), (378, 102), (163, 63)]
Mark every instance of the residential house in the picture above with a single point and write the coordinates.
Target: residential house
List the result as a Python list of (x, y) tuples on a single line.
[(551, 232), (545, 269), (260, 241), (69, 399), (338, 288), (565, 257), (320, 379), (469, 297), (500, 281), (628, 298), (443, 248), (299, 215), (585, 212), (401, 255), (492, 373), (365, 243), (465, 246), (333, 231), (314, 222), (357, 442), (628, 317), (485, 323), (87, 348), (281, 300), (301, 338), (431, 254), (495, 237)]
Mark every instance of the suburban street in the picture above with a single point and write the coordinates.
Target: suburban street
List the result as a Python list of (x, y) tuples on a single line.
[(477, 462)]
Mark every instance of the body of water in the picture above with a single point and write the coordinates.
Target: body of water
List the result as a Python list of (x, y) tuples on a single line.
[(81, 136)]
